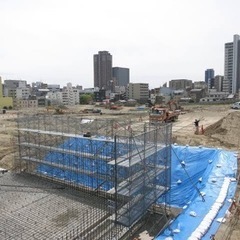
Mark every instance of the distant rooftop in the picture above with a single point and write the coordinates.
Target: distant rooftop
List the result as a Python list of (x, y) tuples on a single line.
[(43, 90)]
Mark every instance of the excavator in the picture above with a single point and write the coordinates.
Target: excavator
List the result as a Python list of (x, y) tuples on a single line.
[(173, 105), (160, 114), (56, 110)]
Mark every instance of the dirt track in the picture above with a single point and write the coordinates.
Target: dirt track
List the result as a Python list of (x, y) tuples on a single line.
[(219, 123)]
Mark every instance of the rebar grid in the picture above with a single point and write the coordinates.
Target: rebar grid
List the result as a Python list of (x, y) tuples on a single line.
[(125, 164), (39, 209)]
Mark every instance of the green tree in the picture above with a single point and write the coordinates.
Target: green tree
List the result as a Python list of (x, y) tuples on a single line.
[(86, 98)]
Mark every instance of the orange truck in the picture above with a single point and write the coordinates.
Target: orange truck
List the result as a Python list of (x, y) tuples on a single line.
[(161, 114)]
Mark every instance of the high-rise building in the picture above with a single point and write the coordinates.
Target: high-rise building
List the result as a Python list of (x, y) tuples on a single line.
[(218, 83), (209, 77), (231, 83), (120, 76), (103, 70), (209, 74)]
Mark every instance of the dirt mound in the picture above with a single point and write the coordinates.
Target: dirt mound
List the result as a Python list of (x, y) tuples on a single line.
[(7, 161), (215, 128), (226, 130)]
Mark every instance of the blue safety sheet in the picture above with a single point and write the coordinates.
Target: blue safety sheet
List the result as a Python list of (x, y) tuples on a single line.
[(203, 183)]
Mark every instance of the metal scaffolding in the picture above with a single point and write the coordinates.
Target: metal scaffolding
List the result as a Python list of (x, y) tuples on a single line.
[(125, 164)]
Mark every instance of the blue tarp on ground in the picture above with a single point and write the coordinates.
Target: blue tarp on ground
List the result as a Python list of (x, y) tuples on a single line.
[(204, 169), (193, 170)]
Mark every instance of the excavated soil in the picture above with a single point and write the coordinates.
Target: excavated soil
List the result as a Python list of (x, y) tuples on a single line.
[(211, 128), (7, 140), (226, 130)]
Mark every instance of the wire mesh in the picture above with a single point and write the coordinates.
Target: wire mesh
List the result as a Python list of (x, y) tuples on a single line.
[(124, 165)]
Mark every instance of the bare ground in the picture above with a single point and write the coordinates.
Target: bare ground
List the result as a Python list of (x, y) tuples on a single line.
[(220, 125)]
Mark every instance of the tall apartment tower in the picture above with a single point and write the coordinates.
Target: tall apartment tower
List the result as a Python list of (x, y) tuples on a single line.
[(231, 83), (103, 70), (120, 76)]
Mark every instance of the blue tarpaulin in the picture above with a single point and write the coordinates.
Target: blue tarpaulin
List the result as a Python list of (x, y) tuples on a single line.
[(197, 178), (96, 172)]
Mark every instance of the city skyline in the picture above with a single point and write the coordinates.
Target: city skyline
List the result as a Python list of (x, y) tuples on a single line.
[(54, 41)]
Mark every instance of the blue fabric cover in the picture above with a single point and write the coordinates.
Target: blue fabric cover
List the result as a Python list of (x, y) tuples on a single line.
[(204, 168)]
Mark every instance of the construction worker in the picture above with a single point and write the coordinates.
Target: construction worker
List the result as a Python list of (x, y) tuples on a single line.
[(196, 123)]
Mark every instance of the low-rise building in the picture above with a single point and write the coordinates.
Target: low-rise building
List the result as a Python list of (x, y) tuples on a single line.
[(16, 89), (197, 94), (53, 87), (200, 85), (138, 91), (179, 84), (5, 102), (55, 98), (26, 103), (213, 95), (99, 95), (22, 93)]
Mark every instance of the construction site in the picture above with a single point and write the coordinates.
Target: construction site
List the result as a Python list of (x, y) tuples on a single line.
[(117, 176)]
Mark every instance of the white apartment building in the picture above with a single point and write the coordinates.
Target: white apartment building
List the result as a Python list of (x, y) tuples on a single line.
[(22, 93), (16, 89), (17, 93), (70, 95), (231, 82), (213, 95), (55, 98)]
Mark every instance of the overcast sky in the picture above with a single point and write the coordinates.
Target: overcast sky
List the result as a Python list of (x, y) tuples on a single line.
[(158, 40)]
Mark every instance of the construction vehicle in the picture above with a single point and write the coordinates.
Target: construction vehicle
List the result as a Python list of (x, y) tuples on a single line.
[(173, 105), (92, 110), (56, 110), (161, 114), (113, 107)]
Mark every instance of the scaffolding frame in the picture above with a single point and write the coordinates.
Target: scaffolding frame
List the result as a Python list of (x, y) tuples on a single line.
[(126, 163)]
